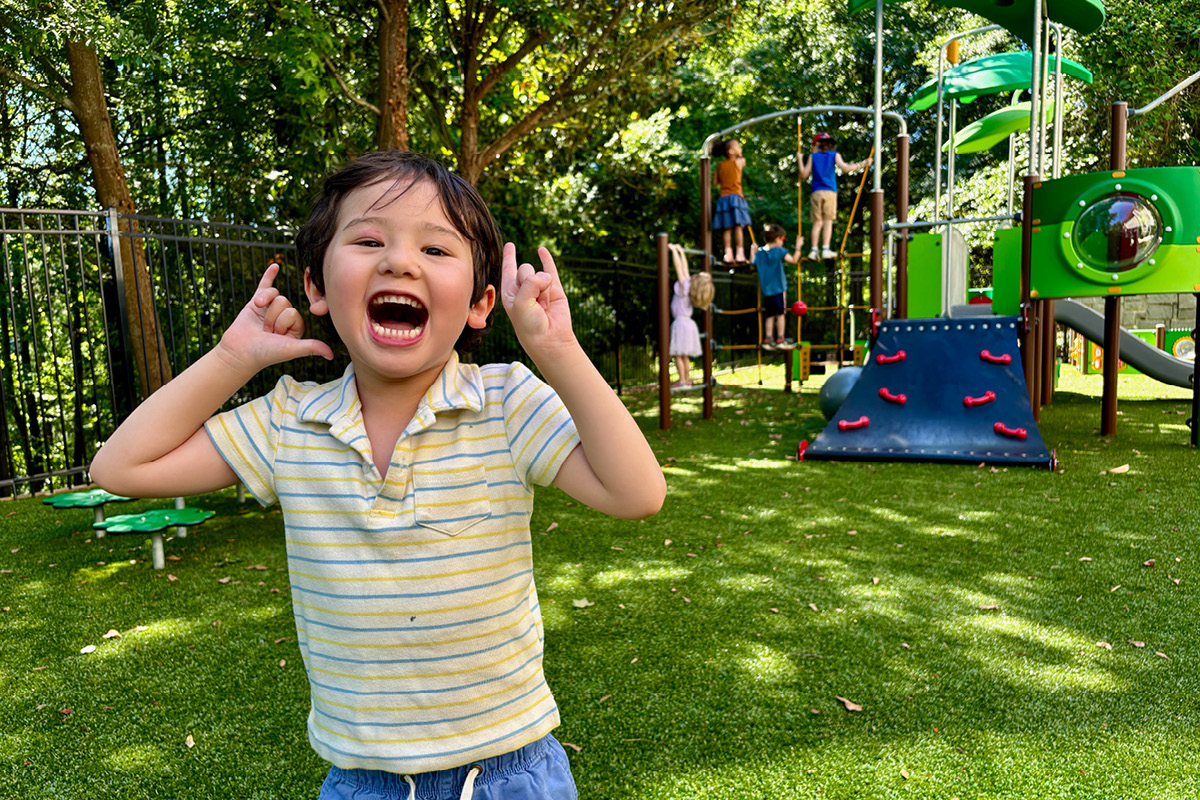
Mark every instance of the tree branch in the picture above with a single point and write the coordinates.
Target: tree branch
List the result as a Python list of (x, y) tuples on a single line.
[(44, 91), (346, 89), (535, 40)]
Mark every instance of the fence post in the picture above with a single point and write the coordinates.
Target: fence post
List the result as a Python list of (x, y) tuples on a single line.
[(114, 245)]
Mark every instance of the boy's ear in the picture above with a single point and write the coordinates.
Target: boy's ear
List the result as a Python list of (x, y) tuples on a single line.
[(478, 314), (316, 298)]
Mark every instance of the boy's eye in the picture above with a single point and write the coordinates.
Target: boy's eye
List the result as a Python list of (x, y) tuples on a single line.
[(435, 251), (368, 243)]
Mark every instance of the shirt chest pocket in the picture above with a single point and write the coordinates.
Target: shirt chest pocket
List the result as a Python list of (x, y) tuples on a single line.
[(450, 500)]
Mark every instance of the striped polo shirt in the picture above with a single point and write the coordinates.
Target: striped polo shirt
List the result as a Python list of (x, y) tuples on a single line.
[(416, 613)]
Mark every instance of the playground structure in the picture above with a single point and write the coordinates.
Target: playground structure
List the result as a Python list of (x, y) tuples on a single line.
[(843, 307), (1106, 234)]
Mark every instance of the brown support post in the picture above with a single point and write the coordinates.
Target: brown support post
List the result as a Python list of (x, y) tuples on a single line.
[(664, 333), (1049, 335), (1112, 303), (901, 257), (706, 243), (877, 254), (1028, 342), (1160, 336)]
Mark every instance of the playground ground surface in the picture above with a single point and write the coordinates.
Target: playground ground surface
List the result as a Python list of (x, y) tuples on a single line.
[(1007, 633)]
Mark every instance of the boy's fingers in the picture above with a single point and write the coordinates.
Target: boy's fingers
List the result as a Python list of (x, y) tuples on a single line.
[(508, 272), (268, 277), (264, 297), (271, 318), (290, 322), (548, 263)]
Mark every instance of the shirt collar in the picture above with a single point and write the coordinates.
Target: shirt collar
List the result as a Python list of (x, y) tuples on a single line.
[(458, 387)]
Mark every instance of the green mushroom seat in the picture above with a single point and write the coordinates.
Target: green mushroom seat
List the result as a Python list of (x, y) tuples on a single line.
[(154, 522), (93, 499)]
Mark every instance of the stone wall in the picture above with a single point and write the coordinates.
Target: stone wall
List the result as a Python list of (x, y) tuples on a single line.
[(1144, 311)]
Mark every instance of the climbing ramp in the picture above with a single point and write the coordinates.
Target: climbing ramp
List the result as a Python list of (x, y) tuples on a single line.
[(938, 390)]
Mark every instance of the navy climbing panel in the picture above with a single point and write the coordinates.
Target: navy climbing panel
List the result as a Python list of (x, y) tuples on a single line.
[(938, 390)]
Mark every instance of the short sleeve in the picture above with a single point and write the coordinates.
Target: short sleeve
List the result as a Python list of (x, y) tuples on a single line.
[(247, 437), (541, 433)]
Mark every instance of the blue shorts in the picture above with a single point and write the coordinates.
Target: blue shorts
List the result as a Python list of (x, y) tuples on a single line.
[(537, 771)]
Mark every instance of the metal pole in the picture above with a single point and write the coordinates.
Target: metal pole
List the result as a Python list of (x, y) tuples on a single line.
[(664, 333), (706, 243), (937, 142), (901, 257), (876, 192), (1028, 343), (1058, 102), (1112, 303), (1034, 86)]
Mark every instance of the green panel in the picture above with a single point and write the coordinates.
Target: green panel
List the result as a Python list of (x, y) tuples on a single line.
[(1062, 266), (1006, 272), (1084, 16), (925, 275), (1002, 72), (989, 131)]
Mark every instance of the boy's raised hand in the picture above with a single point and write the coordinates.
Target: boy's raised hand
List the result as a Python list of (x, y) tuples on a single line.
[(535, 301), (268, 330)]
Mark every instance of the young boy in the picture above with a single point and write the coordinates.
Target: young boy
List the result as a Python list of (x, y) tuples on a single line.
[(773, 283), (407, 485), (820, 164)]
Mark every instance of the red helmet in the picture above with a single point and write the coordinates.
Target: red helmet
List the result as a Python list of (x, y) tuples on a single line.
[(822, 137)]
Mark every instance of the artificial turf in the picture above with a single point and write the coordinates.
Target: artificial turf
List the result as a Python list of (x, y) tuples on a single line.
[(986, 620)]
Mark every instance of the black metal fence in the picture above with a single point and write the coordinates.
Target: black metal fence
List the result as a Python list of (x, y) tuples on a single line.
[(68, 373)]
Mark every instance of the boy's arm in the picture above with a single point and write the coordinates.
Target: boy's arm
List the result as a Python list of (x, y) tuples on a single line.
[(805, 167), (741, 162), (162, 450), (613, 470), (794, 256)]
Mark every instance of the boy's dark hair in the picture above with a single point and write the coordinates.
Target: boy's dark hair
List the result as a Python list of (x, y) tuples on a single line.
[(773, 232), (825, 145), (460, 202), (719, 148)]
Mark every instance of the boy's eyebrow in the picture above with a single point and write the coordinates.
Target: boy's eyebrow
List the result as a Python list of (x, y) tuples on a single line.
[(429, 226)]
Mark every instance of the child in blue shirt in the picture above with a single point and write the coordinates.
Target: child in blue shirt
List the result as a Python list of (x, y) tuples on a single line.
[(773, 283), (407, 485), (823, 164)]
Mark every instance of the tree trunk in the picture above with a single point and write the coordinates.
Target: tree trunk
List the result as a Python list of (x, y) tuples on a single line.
[(393, 75), (112, 190)]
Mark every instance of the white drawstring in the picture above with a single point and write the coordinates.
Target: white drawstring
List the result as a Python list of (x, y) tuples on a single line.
[(468, 790), (469, 786)]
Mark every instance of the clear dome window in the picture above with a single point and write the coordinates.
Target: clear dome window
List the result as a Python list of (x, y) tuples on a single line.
[(1118, 232)]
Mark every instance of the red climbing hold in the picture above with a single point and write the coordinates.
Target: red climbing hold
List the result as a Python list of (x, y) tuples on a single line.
[(991, 359), (847, 425), (898, 399), (800, 450), (1004, 430), (971, 402), (882, 359)]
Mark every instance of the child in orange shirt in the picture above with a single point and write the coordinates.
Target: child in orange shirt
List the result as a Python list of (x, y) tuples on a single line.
[(732, 213)]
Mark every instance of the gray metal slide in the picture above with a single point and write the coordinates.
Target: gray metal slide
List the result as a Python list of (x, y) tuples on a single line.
[(1140, 355)]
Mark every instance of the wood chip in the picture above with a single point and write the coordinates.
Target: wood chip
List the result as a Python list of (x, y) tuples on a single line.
[(849, 704), (113, 633), (574, 747), (1105, 645), (189, 741)]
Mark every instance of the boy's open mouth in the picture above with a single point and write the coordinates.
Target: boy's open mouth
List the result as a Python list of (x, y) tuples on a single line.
[(397, 316)]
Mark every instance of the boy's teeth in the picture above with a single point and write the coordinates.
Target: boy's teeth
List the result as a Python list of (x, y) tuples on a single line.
[(391, 333), (396, 298)]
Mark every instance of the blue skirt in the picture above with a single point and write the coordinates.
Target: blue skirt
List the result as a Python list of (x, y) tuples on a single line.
[(732, 211)]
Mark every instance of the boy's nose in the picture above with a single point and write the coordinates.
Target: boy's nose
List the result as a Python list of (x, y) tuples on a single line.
[(400, 261)]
